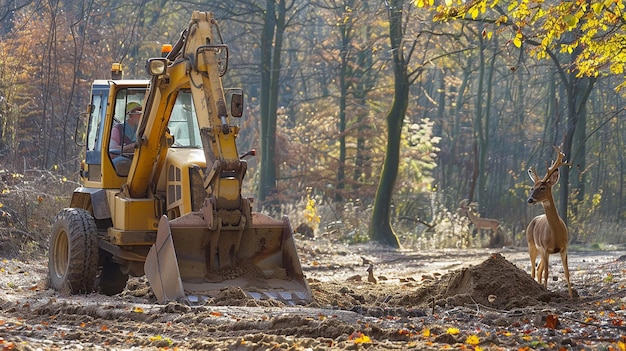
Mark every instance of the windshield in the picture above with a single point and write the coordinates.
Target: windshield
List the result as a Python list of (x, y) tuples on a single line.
[(183, 124), (122, 98)]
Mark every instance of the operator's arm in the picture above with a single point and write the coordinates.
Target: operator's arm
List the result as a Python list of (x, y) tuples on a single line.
[(116, 141)]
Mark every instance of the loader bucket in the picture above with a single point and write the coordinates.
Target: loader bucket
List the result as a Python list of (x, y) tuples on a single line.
[(259, 257)]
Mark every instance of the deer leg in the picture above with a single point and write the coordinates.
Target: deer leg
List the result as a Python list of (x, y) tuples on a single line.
[(540, 271), (532, 248), (566, 270), (543, 268), (532, 251)]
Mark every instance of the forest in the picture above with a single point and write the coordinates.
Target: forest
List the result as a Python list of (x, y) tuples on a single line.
[(358, 109)]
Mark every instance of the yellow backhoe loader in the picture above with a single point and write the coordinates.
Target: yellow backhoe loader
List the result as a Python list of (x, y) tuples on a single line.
[(161, 196)]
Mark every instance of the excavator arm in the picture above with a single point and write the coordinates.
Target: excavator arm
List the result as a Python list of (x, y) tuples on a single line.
[(197, 63)]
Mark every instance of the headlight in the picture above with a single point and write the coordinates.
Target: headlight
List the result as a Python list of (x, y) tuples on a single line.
[(156, 66)]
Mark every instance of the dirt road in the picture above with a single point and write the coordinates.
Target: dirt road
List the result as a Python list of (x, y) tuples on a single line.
[(464, 299)]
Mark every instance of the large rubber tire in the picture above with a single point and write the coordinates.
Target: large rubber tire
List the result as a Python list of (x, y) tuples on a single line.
[(73, 254), (111, 280)]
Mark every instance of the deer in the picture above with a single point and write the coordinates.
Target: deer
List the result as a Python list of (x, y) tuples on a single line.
[(479, 222), (547, 233)]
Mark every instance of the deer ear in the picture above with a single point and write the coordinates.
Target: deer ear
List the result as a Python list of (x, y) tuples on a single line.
[(554, 178)]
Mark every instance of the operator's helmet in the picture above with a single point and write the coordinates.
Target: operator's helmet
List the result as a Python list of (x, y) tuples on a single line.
[(133, 107)]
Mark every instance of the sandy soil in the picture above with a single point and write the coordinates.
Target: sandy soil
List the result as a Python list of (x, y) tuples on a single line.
[(461, 299)]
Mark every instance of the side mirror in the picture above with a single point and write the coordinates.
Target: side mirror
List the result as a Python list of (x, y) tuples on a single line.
[(81, 122), (236, 102)]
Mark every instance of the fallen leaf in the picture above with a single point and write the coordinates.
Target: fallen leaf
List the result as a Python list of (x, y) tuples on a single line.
[(472, 340), (453, 331), (552, 321), (404, 332), (360, 338)]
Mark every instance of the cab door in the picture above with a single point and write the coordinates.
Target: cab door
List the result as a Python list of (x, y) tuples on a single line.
[(92, 170)]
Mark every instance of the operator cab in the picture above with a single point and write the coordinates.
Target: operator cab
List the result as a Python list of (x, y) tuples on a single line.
[(115, 96), (108, 103)]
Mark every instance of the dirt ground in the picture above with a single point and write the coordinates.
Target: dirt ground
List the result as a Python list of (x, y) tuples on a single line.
[(482, 299)]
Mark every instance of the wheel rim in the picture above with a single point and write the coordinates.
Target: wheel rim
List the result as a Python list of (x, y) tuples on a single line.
[(61, 254)]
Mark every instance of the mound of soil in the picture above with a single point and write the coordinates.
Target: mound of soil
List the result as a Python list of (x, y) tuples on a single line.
[(496, 283)]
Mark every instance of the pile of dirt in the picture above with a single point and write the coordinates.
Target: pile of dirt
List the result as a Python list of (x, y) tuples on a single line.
[(496, 283)]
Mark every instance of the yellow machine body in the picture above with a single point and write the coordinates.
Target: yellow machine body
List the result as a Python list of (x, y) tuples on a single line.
[(172, 209)]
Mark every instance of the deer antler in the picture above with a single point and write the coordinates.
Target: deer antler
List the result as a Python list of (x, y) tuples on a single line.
[(555, 164), (533, 174)]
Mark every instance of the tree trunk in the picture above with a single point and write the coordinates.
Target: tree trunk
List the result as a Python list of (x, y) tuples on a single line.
[(343, 92), (479, 133), (577, 96), (380, 229), (485, 170), (362, 84), (271, 46)]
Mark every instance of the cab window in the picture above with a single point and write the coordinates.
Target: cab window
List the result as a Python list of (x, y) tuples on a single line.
[(183, 124)]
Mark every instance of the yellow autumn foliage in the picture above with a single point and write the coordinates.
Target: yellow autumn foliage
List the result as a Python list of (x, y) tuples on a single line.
[(593, 33)]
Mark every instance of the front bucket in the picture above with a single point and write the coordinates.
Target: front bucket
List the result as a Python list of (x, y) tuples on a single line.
[(260, 258)]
